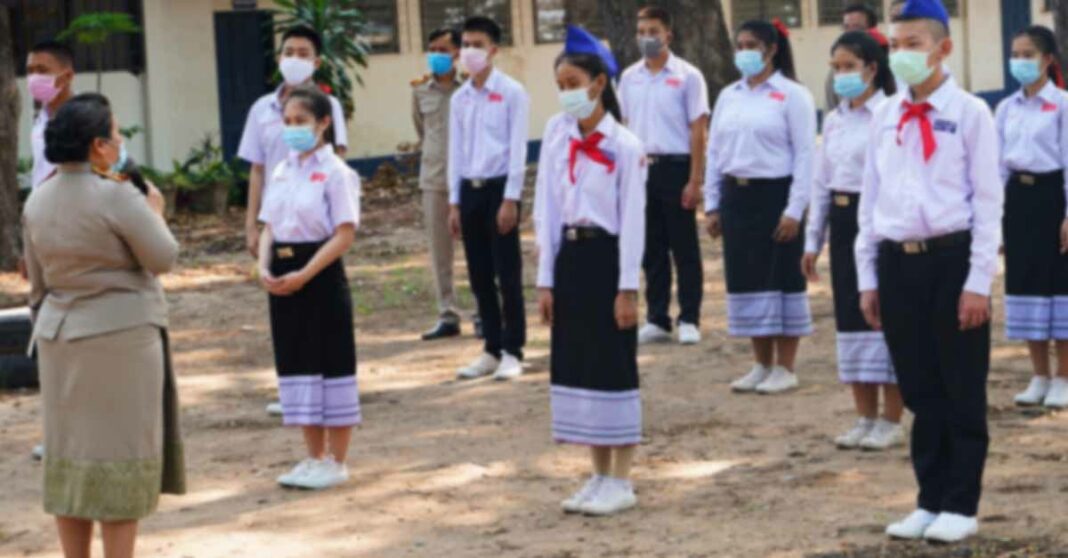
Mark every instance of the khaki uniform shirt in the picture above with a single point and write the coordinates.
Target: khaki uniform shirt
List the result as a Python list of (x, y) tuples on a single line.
[(430, 112)]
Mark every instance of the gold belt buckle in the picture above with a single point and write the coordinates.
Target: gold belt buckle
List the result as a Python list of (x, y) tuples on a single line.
[(572, 234), (841, 200), (285, 253), (917, 247), (741, 181), (1027, 179), (477, 183)]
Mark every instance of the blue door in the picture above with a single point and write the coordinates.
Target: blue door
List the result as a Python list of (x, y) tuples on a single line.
[(244, 64)]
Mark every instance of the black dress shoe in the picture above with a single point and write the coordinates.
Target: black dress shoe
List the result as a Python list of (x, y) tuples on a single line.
[(441, 331), (478, 329)]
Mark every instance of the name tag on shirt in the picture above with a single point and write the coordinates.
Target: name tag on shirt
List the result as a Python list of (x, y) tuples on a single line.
[(318, 177), (946, 126), (673, 82), (496, 98), (1049, 107), (777, 96)]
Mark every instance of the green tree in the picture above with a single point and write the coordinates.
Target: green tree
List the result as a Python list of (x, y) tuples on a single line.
[(93, 29), (341, 25), (9, 143)]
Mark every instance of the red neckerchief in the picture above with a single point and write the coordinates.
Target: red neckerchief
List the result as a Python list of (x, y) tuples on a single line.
[(919, 112), (589, 146)]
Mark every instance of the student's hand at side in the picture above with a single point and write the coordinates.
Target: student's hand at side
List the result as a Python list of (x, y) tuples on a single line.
[(712, 224), (787, 230), (626, 309), (869, 306), (1064, 237), (507, 217), (454, 222), (691, 196), (808, 266), (545, 306), (252, 238), (974, 310)]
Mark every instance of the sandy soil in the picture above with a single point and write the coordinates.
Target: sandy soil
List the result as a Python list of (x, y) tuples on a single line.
[(442, 468)]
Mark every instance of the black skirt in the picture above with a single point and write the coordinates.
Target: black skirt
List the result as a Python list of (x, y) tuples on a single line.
[(1036, 273), (594, 365), (314, 343), (765, 288), (862, 353)]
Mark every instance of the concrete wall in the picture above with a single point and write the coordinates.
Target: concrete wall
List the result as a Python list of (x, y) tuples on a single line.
[(177, 100)]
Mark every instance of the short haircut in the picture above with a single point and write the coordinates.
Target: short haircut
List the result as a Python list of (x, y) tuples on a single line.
[(657, 13), (483, 24), (452, 32), (70, 133), (58, 50), (304, 32), (938, 29), (869, 14)]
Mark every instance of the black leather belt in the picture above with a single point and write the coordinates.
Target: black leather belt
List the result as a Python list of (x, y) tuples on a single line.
[(1032, 178), (575, 234), (661, 159), (478, 183), (739, 181), (912, 247)]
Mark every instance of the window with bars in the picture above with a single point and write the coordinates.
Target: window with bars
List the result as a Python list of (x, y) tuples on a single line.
[(381, 18), (452, 13), (33, 21), (831, 10), (552, 16), (789, 11)]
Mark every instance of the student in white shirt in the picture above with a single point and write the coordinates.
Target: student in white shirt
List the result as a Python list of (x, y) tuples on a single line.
[(760, 153), (309, 216), (488, 123), (862, 79), (590, 220), (49, 78), (664, 100), (1033, 129), (930, 226)]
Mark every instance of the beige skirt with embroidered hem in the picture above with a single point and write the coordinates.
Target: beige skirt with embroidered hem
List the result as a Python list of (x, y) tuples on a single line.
[(104, 424)]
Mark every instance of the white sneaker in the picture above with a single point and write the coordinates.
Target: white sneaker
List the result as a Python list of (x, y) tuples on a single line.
[(484, 365), (883, 436), (1035, 392), (1057, 397), (510, 368), (577, 500), (851, 439), (274, 409), (779, 381), (38, 452), (293, 478), (325, 474), (913, 526), (652, 333), (689, 334), (612, 497), (757, 374), (951, 528)]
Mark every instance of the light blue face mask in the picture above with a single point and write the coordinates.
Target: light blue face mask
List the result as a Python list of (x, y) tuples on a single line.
[(439, 63), (299, 138), (910, 66), (850, 85), (1025, 70), (120, 165), (577, 102), (749, 62)]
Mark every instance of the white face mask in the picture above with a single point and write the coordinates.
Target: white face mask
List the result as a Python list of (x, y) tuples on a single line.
[(474, 59), (296, 70), (577, 102)]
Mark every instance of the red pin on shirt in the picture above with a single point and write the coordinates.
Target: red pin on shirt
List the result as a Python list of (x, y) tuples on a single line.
[(919, 112), (589, 146)]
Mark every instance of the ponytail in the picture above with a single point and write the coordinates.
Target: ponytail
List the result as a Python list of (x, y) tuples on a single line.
[(594, 66), (777, 34), (1046, 43)]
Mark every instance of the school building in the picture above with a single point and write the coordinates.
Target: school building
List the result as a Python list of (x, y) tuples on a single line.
[(200, 63)]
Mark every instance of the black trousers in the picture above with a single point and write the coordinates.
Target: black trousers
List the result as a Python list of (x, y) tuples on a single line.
[(941, 371), (671, 234), (494, 266)]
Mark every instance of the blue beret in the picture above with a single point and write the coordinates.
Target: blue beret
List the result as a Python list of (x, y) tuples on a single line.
[(581, 41), (925, 9)]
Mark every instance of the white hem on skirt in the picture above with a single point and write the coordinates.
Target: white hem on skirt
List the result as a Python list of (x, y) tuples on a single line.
[(314, 401), (770, 313), (596, 418), (863, 358)]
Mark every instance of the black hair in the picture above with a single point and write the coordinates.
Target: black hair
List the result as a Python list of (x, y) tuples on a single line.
[(938, 29), (70, 133), (483, 24), (768, 34), (594, 66), (869, 14), (1046, 43), (657, 13), (865, 47), (304, 32), (452, 32), (58, 50), (317, 103)]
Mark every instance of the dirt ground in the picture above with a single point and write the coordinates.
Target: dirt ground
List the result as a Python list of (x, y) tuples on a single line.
[(442, 468)]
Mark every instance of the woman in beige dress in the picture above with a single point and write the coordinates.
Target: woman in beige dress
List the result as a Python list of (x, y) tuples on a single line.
[(94, 245)]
